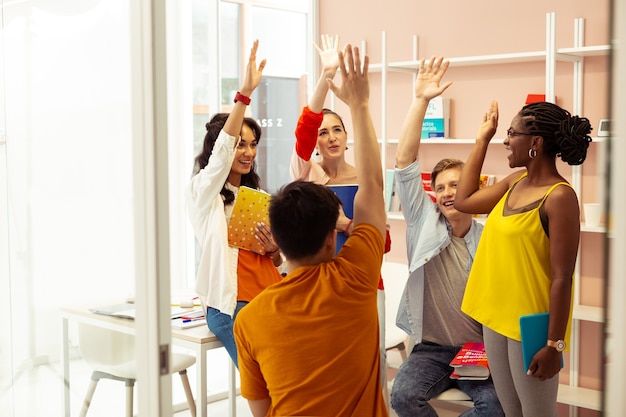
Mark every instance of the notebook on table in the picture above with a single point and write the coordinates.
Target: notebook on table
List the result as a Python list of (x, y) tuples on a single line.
[(194, 319), (127, 311)]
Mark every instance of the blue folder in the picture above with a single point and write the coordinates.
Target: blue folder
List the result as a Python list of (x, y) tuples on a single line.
[(534, 330), (346, 194)]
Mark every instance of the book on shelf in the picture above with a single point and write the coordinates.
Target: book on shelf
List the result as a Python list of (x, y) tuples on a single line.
[(392, 200), (346, 193), (470, 362), (485, 181), (426, 183), (437, 119), (534, 333), (534, 98), (250, 208)]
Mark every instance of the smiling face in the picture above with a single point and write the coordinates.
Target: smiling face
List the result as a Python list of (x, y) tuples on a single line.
[(331, 138), (518, 142), (244, 156), (445, 191)]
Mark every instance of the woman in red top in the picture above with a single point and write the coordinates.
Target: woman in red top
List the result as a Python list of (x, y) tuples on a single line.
[(322, 130)]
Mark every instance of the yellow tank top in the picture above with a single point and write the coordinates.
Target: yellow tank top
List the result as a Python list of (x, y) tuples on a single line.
[(510, 276)]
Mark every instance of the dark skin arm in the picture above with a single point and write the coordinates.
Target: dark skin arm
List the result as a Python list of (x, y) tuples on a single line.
[(469, 198), (564, 225)]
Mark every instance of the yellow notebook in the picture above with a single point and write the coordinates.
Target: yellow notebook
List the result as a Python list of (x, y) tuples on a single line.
[(251, 207)]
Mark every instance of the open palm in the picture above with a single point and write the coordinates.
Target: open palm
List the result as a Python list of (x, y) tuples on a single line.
[(329, 56), (427, 82)]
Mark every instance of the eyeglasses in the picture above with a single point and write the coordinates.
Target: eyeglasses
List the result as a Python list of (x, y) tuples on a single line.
[(512, 133)]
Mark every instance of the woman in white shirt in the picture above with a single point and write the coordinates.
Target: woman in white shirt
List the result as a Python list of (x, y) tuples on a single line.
[(229, 278)]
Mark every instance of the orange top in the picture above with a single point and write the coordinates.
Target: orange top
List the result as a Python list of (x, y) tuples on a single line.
[(310, 343), (254, 273)]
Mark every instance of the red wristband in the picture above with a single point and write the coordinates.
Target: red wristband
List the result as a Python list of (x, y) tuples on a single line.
[(244, 99), (345, 230)]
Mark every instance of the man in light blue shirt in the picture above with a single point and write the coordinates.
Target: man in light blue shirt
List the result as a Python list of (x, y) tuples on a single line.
[(441, 243)]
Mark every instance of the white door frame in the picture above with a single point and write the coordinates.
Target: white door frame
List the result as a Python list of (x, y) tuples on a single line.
[(150, 172)]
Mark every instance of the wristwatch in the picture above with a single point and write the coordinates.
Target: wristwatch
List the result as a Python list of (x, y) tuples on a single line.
[(559, 345)]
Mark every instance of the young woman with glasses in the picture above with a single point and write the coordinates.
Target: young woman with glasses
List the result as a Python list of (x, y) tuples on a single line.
[(526, 257)]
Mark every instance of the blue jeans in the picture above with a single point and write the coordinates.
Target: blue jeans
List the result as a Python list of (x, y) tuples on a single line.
[(426, 374), (221, 325)]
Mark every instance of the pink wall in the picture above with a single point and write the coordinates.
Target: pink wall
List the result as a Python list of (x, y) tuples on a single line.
[(454, 28)]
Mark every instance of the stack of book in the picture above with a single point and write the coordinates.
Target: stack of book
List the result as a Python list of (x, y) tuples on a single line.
[(470, 362)]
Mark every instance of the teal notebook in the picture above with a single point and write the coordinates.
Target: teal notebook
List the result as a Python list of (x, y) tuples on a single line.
[(534, 331)]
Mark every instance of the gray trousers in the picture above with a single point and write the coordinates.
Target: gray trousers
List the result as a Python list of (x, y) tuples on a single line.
[(521, 395)]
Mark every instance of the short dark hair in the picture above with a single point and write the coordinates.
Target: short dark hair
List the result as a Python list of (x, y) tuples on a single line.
[(563, 135), (443, 165), (302, 214)]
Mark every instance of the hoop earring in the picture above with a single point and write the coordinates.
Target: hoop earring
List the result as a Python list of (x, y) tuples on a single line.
[(532, 153)]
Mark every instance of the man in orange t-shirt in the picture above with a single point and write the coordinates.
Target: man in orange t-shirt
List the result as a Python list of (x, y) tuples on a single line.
[(309, 345)]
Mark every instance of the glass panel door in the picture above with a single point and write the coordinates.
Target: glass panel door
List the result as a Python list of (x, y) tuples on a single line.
[(70, 202)]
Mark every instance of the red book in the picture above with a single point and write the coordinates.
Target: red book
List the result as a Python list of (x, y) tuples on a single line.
[(534, 98), (427, 186), (470, 362)]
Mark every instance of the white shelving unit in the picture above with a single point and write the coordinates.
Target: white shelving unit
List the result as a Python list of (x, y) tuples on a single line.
[(571, 393)]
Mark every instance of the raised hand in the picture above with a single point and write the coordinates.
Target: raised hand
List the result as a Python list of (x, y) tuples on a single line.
[(253, 74), (355, 87), (429, 76), (489, 124), (329, 57), (251, 80)]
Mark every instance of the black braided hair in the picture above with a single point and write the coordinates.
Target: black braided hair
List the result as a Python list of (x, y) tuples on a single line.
[(563, 135), (213, 128)]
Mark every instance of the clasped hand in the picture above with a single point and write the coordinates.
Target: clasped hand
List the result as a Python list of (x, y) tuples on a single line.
[(264, 237), (545, 364)]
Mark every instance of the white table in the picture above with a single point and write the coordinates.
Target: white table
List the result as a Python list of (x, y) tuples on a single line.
[(199, 339)]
